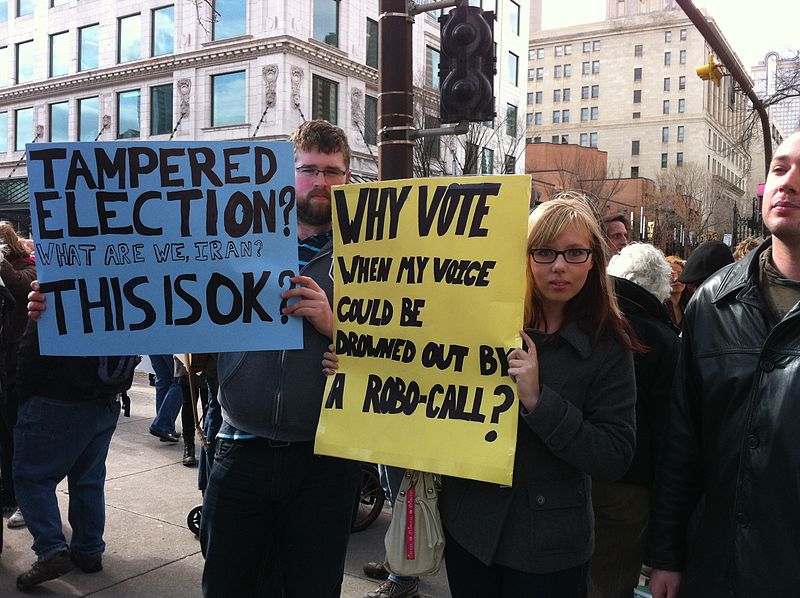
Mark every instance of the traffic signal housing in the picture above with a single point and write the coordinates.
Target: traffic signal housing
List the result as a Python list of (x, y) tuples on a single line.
[(466, 65), (710, 71)]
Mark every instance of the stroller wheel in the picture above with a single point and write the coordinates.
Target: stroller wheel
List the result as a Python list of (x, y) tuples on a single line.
[(193, 519)]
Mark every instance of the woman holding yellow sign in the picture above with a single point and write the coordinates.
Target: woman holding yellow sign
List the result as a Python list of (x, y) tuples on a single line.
[(576, 390)]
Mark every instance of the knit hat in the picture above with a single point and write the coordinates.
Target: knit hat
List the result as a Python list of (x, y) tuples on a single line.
[(706, 259)]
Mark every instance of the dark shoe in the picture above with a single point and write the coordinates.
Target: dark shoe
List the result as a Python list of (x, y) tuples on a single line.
[(376, 570), (44, 571), (394, 589), (165, 437), (189, 459), (88, 564)]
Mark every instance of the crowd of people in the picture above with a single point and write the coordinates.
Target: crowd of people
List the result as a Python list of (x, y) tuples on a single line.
[(656, 402)]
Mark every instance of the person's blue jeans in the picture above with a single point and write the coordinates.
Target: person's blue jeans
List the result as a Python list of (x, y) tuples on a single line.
[(169, 395), (266, 506), (391, 479), (55, 439)]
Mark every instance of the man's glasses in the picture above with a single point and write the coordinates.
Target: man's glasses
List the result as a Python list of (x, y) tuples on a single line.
[(571, 256), (312, 172)]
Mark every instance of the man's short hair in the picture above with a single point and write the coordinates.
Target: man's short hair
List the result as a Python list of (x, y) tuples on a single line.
[(616, 218), (322, 136)]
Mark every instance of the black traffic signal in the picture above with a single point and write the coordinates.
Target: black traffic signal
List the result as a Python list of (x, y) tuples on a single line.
[(467, 65)]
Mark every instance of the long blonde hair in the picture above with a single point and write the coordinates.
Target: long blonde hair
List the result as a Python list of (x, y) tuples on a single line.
[(595, 306), (9, 236)]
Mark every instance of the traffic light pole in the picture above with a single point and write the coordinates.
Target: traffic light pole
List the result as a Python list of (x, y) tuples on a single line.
[(395, 91), (727, 58)]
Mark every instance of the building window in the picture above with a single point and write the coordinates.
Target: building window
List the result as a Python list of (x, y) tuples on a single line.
[(558, 51), (372, 43), (664, 160), (683, 35), (530, 98), (666, 83), (432, 58), (681, 105), (230, 19), (565, 116), (566, 94), (3, 127), (637, 96), (4, 82), (24, 7), (595, 113), (24, 62), (584, 114), (539, 97), (667, 37), (371, 120), (637, 50), (584, 141), (54, 3), (567, 49), (585, 92), (665, 107), (59, 54), (682, 56), (529, 119), (587, 47), (595, 91), (636, 115), (88, 118), (595, 67), (509, 164), (23, 128), (592, 139), (679, 159), (487, 161), (161, 109), (513, 17), (540, 73), (567, 70), (596, 45), (537, 118), (680, 133), (681, 82), (129, 38), (128, 114), (513, 68), (667, 58), (557, 71), (637, 74), (59, 122), (556, 117), (664, 134), (585, 68), (556, 95), (229, 99), (88, 47), (555, 139), (326, 21), (325, 99), (511, 120), (635, 147), (540, 53), (162, 40)]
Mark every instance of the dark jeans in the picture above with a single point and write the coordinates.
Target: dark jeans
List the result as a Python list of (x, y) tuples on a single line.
[(169, 395), (57, 439), (276, 505), (8, 419), (470, 578)]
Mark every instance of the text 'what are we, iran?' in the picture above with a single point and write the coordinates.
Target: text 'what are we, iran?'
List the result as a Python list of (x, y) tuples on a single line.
[(151, 247)]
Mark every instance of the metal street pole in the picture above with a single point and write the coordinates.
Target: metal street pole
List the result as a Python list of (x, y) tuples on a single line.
[(721, 50), (395, 91)]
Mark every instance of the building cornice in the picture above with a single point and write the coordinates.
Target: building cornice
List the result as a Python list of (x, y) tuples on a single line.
[(331, 59)]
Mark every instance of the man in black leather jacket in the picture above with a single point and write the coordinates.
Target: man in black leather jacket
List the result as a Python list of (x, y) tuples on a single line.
[(725, 517)]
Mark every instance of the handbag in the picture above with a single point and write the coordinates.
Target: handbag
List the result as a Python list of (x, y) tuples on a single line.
[(415, 539)]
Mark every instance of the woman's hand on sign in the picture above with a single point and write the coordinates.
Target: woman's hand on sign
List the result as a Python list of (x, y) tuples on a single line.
[(311, 304), (36, 304), (523, 367), (330, 361)]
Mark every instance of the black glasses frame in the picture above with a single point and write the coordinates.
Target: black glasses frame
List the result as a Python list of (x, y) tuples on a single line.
[(586, 253)]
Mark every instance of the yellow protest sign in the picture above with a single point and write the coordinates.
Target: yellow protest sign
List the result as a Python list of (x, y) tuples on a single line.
[(429, 279)]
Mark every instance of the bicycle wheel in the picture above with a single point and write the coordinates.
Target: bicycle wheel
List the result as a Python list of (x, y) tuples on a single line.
[(371, 498)]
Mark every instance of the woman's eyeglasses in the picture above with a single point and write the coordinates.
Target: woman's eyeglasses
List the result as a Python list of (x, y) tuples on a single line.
[(571, 256), (313, 172)]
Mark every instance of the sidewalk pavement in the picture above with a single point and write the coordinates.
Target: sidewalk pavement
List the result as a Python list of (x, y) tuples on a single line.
[(149, 548)]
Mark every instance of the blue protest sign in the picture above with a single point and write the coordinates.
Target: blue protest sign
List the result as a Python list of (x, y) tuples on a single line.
[(164, 247)]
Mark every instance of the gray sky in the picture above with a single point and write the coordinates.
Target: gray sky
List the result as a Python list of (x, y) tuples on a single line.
[(751, 28)]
